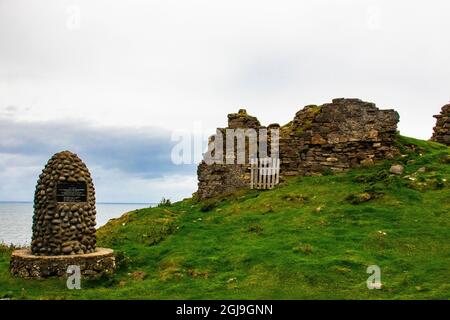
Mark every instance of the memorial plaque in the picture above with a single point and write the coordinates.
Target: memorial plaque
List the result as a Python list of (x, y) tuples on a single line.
[(71, 192)]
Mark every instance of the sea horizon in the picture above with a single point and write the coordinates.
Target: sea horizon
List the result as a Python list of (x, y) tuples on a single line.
[(99, 202), (17, 218)]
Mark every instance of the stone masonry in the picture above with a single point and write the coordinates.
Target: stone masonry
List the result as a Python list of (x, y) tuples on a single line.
[(92, 265), (335, 136), (442, 129), (215, 179), (64, 223)]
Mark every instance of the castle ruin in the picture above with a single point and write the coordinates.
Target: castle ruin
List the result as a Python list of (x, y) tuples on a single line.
[(336, 136), (442, 129)]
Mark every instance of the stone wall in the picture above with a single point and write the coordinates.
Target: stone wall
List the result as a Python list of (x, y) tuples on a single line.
[(64, 223), (92, 265), (442, 129), (242, 120), (218, 179), (335, 136)]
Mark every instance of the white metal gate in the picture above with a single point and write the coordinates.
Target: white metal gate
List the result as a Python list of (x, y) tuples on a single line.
[(264, 173)]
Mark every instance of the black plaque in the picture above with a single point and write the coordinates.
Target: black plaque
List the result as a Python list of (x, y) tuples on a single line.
[(71, 192)]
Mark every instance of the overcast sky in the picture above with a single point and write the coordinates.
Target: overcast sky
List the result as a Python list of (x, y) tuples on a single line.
[(110, 80)]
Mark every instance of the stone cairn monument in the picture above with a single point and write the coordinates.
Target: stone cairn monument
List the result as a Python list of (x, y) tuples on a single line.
[(63, 224), (442, 129), (67, 225)]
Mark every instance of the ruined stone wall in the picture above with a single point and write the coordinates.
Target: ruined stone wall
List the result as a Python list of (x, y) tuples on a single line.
[(442, 129), (219, 179), (335, 136)]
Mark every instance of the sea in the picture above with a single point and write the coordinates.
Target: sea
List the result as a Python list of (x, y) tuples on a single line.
[(16, 218)]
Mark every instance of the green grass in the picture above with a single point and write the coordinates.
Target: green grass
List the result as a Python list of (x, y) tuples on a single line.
[(309, 238)]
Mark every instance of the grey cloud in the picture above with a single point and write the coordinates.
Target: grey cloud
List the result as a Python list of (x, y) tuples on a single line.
[(141, 152), (200, 60)]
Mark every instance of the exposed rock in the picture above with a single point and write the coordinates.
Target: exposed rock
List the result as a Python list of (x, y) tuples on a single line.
[(367, 162), (397, 169), (442, 129), (359, 198), (422, 170)]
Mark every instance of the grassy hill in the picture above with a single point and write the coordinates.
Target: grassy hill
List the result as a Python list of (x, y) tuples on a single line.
[(309, 238)]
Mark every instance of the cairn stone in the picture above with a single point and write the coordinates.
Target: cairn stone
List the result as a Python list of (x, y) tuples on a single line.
[(442, 129), (64, 208)]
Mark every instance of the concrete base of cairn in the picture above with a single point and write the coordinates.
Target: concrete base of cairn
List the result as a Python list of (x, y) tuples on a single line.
[(92, 265)]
